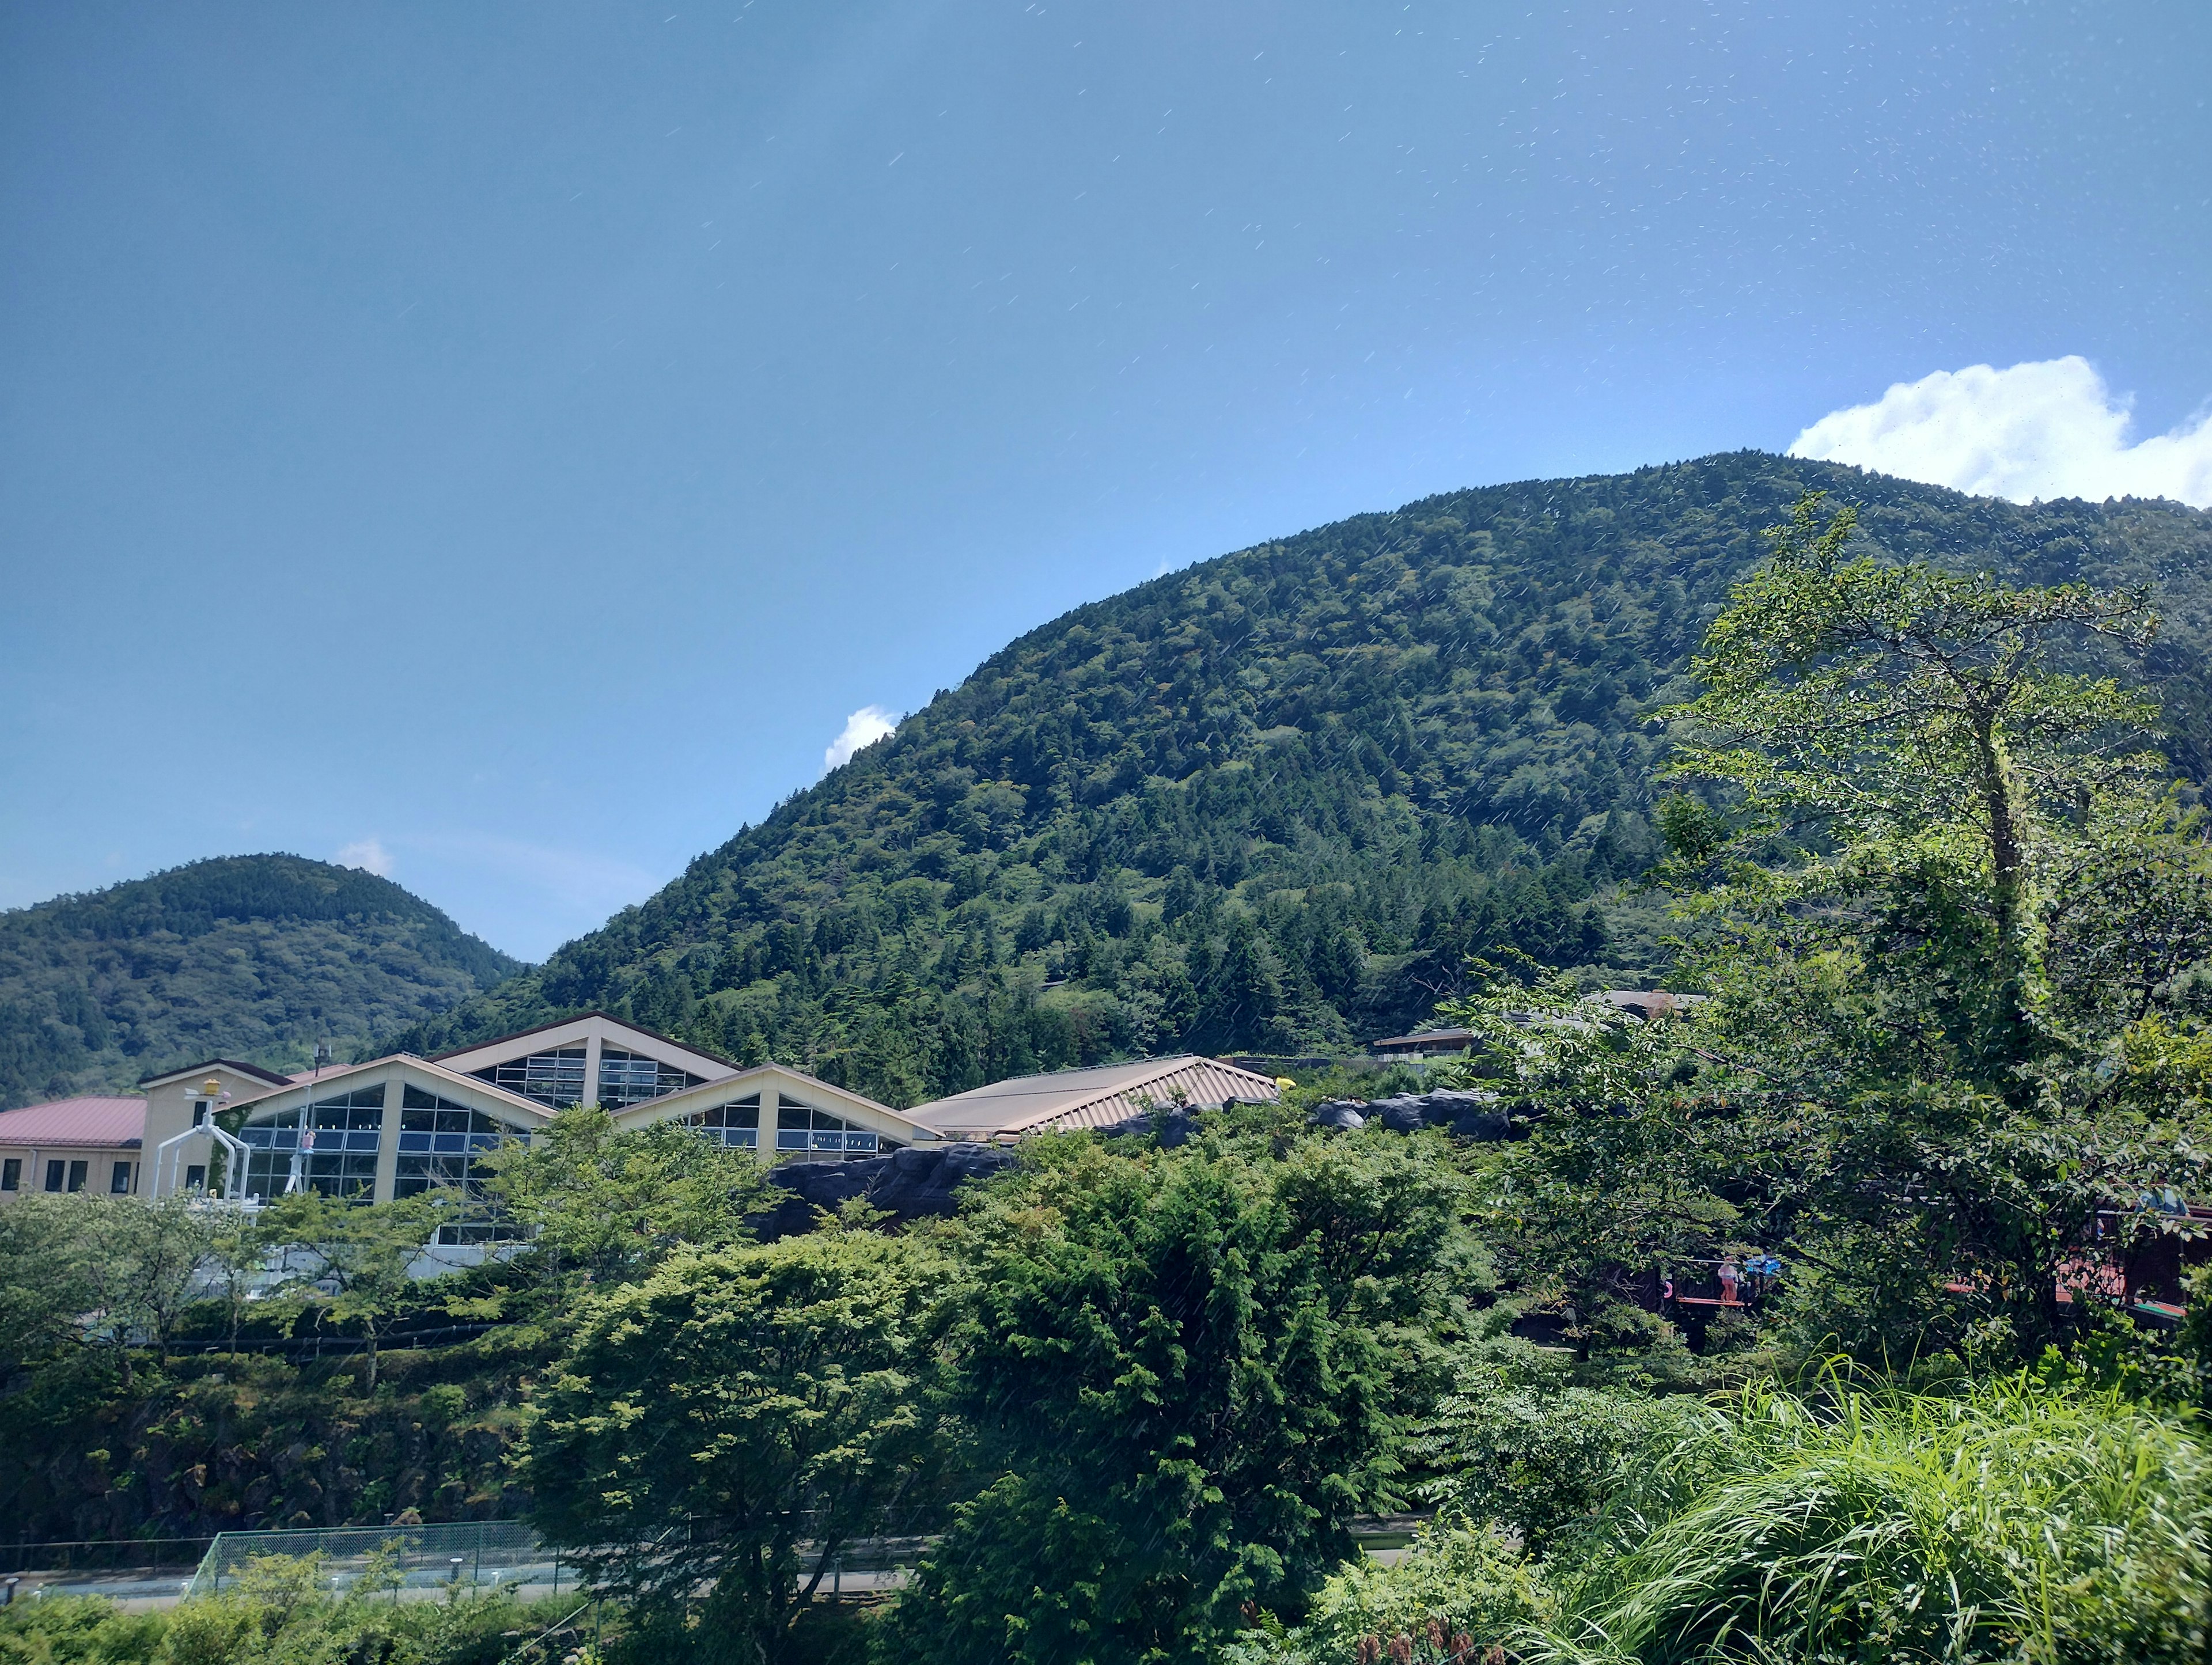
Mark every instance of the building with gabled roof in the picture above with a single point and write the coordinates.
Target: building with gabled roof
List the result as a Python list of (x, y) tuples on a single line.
[(390, 1127), (72, 1145), (1105, 1096)]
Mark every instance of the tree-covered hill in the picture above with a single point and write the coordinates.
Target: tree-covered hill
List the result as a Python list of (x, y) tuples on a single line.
[(1269, 803), (253, 956)]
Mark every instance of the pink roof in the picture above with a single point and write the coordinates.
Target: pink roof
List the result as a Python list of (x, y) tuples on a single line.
[(109, 1121)]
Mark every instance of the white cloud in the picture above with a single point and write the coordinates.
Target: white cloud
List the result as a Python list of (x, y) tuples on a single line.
[(368, 854), (2046, 429), (862, 728)]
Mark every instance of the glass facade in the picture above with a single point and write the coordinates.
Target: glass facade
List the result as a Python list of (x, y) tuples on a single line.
[(329, 1146), (439, 1141), (734, 1124), (804, 1133), (630, 1077), (555, 1079)]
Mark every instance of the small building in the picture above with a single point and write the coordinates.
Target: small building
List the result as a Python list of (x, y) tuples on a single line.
[(73, 1144), (1103, 1096), (1424, 1044)]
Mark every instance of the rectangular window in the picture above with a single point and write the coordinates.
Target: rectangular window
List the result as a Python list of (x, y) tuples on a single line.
[(54, 1171), (118, 1179), (11, 1173), (629, 1077), (200, 1112), (79, 1172), (330, 1146), (440, 1142), (195, 1178), (555, 1079), (736, 1124), (823, 1136)]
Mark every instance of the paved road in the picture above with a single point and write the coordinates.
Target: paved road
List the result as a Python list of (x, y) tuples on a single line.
[(136, 1589)]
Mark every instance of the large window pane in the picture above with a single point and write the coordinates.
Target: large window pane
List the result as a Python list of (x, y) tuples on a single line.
[(736, 1124), (555, 1079), (630, 1077)]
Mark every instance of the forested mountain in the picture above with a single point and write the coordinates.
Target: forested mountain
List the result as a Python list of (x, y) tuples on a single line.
[(253, 956), (1269, 803)]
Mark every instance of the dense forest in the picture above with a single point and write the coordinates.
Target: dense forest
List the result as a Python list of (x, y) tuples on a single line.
[(253, 956), (1270, 804), (1859, 1310)]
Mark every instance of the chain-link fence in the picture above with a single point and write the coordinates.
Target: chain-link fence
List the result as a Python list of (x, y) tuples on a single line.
[(465, 1552)]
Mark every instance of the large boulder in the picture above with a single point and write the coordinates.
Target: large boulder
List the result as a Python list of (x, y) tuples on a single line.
[(1173, 1126), (1465, 1112), (907, 1184)]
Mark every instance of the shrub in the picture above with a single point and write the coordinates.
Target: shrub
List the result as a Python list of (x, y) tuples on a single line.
[(2013, 1521)]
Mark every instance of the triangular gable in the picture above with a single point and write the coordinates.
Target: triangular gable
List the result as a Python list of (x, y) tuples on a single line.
[(579, 1031), (789, 1084), (432, 1078)]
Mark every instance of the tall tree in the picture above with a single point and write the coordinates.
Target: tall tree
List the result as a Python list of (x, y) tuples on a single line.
[(1194, 1365), (733, 1422), (1949, 911)]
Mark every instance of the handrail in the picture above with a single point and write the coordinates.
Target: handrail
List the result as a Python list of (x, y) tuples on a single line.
[(537, 1640)]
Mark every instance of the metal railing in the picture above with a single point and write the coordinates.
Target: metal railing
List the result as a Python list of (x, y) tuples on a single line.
[(458, 1552)]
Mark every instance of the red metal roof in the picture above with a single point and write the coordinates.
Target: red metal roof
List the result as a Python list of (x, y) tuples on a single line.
[(119, 1123)]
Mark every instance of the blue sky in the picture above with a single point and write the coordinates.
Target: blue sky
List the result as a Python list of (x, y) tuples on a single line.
[(507, 442)]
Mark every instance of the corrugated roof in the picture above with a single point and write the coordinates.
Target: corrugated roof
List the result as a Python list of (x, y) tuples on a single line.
[(118, 1123), (1100, 1098)]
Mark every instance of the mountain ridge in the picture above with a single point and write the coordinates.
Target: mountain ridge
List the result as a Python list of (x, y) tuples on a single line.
[(257, 956), (1268, 802)]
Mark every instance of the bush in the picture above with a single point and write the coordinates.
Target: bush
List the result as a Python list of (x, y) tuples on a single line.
[(2013, 1521), (1543, 1459), (277, 1615), (1460, 1592)]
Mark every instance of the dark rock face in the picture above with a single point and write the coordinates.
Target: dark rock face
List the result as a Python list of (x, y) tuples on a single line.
[(1464, 1114), (1173, 1126), (906, 1184)]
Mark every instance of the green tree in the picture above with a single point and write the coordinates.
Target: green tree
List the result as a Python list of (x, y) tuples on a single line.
[(608, 1204), (1948, 911), (113, 1272), (1196, 1364), (734, 1421), (354, 1262)]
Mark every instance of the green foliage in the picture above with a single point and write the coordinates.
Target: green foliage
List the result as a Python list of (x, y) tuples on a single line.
[(108, 1273), (1949, 917), (354, 1261), (1543, 1457), (606, 1205), (1270, 803), (746, 1413), (2008, 1523), (1195, 1365), (280, 1613), (78, 1630), (256, 957), (1460, 1591)]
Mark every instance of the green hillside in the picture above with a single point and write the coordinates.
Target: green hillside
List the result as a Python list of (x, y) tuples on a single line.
[(1269, 803), (251, 956)]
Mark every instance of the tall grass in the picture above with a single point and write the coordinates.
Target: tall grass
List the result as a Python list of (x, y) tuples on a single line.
[(2011, 1523)]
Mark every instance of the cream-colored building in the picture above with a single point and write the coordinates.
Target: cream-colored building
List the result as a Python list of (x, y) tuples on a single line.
[(395, 1125), (73, 1145)]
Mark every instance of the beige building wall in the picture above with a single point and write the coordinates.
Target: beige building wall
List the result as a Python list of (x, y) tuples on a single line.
[(32, 1162), (174, 1105)]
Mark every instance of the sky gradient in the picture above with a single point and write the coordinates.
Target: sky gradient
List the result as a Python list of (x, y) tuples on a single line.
[(508, 443)]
